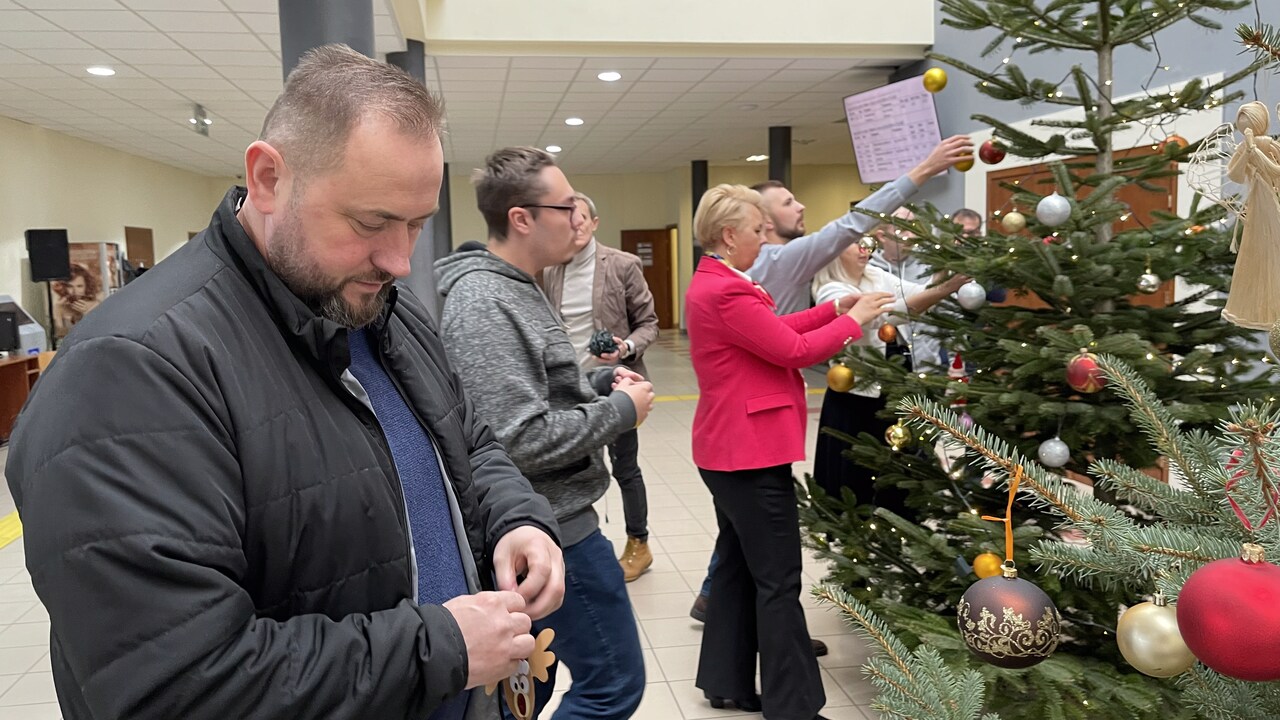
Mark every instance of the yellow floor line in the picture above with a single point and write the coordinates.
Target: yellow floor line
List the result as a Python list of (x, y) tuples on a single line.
[(10, 528), (674, 398)]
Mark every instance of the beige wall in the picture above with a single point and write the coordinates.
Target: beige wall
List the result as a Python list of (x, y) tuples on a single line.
[(656, 200), (51, 180)]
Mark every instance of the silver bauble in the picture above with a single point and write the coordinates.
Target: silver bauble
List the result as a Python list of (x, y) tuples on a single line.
[(1148, 283), (868, 243), (1149, 640), (971, 295), (1053, 453), (1053, 210), (1013, 222)]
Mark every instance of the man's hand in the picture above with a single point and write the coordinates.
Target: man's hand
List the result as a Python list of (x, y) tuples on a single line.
[(625, 373), (954, 282), (530, 552), (944, 155), (496, 633), (616, 356), (641, 394)]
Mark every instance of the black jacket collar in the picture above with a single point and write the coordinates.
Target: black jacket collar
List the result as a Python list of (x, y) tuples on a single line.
[(322, 339)]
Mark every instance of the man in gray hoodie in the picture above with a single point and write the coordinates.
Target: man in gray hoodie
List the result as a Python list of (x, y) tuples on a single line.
[(521, 371)]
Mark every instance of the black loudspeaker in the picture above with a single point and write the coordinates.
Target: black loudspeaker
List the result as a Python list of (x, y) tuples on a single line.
[(50, 255), (9, 340)]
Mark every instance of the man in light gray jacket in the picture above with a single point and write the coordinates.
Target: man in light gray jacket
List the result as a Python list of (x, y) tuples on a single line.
[(520, 369), (789, 260)]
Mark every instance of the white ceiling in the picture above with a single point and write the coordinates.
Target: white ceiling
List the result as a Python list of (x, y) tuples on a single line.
[(225, 55)]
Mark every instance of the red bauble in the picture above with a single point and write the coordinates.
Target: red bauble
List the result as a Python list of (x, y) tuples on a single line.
[(1083, 373), (1229, 615), (991, 152)]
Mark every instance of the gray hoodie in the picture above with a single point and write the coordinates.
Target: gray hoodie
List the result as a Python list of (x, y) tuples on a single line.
[(522, 374)]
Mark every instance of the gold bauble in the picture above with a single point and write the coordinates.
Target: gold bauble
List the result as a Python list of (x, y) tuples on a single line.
[(1274, 335), (898, 436), (964, 165), (840, 378), (987, 565), (1013, 222), (935, 79), (1150, 641)]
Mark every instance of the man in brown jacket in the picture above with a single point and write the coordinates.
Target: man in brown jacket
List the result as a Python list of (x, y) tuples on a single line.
[(602, 288)]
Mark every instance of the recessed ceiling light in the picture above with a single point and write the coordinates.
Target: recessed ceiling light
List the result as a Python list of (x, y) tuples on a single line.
[(573, 121), (553, 148), (757, 158), (100, 71), (610, 76)]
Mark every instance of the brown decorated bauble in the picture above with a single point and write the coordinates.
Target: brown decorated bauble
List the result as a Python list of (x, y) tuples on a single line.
[(1149, 639), (987, 565), (898, 436), (964, 165), (1229, 615), (887, 333), (1083, 373), (1008, 622), (840, 378), (1013, 222), (935, 79)]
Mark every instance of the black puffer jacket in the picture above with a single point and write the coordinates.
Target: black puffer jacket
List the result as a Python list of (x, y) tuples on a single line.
[(215, 523)]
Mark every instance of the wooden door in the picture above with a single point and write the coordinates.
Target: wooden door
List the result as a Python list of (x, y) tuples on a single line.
[(1142, 203), (653, 247), (139, 247)]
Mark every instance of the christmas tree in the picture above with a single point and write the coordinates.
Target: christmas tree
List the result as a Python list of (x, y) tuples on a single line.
[(1077, 272), (1206, 551)]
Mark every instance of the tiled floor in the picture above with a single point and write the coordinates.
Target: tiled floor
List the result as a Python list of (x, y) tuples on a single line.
[(682, 526)]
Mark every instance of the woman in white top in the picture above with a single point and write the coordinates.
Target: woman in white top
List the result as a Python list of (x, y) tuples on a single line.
[(856, 411)]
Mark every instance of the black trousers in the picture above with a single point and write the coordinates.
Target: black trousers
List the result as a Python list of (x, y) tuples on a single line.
[(853, 414), (755, 597), (624, 456)]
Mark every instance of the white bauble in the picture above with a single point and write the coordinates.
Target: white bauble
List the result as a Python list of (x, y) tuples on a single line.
[(1053, 210), (971, 295), (1053, 453)]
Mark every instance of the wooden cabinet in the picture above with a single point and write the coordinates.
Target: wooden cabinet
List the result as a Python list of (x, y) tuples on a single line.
[(17, 375)]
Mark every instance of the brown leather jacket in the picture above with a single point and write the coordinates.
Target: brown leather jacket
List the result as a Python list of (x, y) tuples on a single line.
[(620, 300)]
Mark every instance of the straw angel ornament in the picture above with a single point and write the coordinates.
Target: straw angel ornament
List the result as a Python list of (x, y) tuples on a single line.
[(1254, 300)]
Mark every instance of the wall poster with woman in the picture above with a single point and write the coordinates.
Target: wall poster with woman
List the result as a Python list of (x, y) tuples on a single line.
[(94, 275)]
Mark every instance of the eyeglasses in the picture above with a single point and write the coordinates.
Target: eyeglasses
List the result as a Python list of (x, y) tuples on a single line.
[(571, 209)]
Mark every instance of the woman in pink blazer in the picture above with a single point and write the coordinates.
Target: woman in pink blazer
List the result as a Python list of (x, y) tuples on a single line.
[(748, 429)]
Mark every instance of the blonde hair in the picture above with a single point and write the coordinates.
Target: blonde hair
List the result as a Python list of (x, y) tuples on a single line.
[(833, 272), (723, 206)]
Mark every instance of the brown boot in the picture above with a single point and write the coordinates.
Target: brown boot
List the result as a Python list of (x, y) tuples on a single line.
[(635, 559)]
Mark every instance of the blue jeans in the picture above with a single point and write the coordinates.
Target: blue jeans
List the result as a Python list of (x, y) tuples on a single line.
[(711, 570), (596, 637)]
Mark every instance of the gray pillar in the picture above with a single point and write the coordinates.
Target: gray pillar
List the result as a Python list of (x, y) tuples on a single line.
[(436, 239), (306, 24), (413, 60), (780, 154)]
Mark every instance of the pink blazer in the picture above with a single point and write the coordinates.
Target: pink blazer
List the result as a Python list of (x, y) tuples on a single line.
[(751, 408)]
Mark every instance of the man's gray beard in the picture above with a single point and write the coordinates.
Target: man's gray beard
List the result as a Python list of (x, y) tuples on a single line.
[(286, 257)]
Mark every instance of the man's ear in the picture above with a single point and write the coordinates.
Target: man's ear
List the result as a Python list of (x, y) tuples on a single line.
[(519, 219), (266, 177)]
